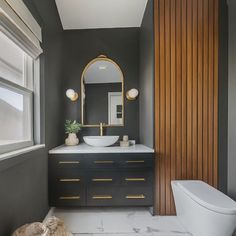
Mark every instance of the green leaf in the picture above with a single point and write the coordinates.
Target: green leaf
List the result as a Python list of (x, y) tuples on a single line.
[(72, 126)]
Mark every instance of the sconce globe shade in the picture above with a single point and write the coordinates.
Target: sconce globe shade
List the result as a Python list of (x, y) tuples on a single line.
[(132, 94), (70, 93)]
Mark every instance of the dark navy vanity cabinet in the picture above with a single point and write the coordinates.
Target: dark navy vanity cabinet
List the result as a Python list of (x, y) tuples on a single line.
[(101, 179)]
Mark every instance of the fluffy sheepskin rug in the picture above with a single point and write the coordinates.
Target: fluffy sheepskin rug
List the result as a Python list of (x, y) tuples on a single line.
[(52, 227)]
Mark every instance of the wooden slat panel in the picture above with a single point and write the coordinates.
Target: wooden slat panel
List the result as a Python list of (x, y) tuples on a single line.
[(183, 79), (205, 87), (195, 93), (200, 89), (173, 96), (189, 86), (168, 106), (210, 93), (186, 95), (178, 91)]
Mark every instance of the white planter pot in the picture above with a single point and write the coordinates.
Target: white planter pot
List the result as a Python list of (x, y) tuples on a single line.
[(72, 140)]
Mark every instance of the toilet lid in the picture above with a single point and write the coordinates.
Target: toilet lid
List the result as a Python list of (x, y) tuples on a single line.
[(208, 197)]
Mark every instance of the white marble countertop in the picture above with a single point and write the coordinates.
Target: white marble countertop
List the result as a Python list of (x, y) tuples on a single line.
[(84, 148)]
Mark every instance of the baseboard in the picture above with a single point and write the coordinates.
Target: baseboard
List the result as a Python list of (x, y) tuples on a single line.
[(50, 214)]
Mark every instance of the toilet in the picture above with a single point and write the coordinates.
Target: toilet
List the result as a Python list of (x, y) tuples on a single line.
[(203, 210)]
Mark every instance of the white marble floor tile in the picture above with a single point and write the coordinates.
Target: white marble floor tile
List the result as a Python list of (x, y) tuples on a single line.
[(80, 221), (135, 234), (82, 235), (141, 234), (119, 222)]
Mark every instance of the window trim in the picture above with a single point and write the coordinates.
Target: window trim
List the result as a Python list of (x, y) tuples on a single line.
[(6, 148), (16, 153), (25, 15), (8, 84), (14, 20), (37, 108), (20, 26)]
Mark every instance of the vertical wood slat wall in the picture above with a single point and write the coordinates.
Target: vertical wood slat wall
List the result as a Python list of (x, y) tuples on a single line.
[(186, 95)]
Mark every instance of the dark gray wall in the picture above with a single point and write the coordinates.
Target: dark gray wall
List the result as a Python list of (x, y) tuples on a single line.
[(23, 190), (232, 101), (53, 89), (146, 78), (96, 107), (223, 95), (23, 179), (122, 46)]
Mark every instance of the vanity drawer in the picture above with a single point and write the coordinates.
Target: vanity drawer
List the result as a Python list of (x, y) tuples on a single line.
[(68, 194), (137, 161), (136, 196), (102, 161), (137, 178), (120, 196), (71, 187), (104, 178), (67, 161), (97, 196), (70, 180), (64, 175)]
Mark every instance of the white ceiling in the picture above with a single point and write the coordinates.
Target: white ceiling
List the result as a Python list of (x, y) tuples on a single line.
[(93, 14)]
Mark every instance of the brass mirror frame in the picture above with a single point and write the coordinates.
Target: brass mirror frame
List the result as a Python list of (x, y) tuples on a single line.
[(101, 58)]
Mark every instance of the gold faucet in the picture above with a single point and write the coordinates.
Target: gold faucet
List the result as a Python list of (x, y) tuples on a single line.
[(101, 129)]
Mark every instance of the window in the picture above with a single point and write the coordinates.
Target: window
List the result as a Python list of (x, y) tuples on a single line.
[(16, 96)]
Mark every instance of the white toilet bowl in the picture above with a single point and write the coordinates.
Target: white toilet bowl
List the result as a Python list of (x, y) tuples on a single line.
[(203, 210)]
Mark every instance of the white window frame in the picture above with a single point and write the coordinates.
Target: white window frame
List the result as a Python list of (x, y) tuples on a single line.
[(26, 92), (19, 25)]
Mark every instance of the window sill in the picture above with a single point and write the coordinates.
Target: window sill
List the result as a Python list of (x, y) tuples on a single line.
[(20, 151)]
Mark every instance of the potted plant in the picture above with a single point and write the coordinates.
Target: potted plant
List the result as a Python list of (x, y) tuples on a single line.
[(72, 128)]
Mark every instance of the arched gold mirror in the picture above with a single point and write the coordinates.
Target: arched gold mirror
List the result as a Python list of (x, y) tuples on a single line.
[(102, 93)]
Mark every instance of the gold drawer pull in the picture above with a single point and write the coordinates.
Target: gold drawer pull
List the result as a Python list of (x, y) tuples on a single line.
[(135, 179), (102, 197), (70, 198), (102, 180), (135, 196), (69, 180), (138, 161), (69, 162), (103, 162)]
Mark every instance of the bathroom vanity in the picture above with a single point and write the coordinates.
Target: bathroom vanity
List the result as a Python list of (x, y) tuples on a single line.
[(111, 176), (86, 175)]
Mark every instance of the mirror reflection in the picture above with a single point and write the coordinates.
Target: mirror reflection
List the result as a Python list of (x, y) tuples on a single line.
[(102, 93)]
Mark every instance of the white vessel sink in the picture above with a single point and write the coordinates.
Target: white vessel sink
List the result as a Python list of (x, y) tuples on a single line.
[(100, 141)]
